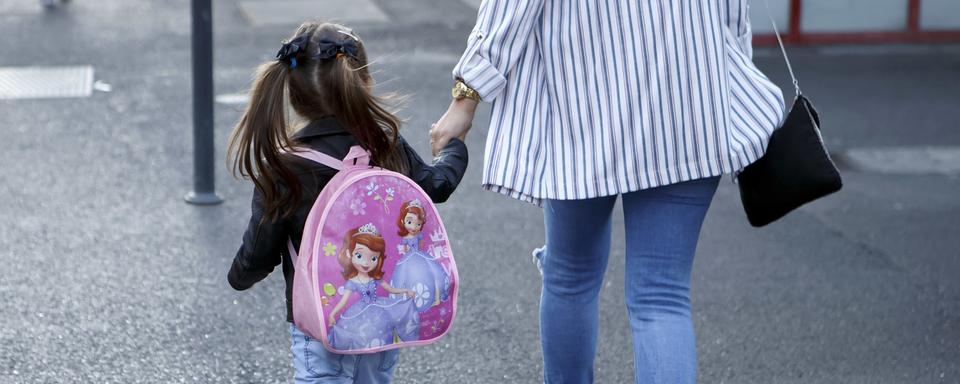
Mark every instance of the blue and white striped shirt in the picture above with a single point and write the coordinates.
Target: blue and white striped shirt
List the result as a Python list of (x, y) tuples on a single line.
[(601, 97)]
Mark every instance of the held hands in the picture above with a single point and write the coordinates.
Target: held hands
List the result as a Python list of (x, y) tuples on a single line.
[(456, 122)]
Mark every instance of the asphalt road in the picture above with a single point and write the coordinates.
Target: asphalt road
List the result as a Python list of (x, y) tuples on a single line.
[(109, 277)]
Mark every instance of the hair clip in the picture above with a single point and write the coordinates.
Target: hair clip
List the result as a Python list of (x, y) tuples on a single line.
[(290, 49), (415, 203), (328, 49)]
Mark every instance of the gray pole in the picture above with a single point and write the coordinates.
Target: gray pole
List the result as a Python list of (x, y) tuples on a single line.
[(203, 192)]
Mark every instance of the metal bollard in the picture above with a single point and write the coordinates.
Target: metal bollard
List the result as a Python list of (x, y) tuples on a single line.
[(203, 192)]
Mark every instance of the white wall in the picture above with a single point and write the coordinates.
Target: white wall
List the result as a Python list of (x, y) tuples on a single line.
[(939, 14), (760, 22), (854, 15)]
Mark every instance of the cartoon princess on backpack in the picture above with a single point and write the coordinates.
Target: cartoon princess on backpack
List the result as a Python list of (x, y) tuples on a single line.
[(373, 320), (417, 270)]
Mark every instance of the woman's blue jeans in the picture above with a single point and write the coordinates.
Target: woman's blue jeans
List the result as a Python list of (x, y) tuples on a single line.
[(662, 226)]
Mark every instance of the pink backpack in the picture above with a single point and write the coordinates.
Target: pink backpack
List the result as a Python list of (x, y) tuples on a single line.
[(374, 259)]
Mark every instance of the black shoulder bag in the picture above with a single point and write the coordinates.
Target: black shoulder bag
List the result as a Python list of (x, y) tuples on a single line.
[(795, 170)]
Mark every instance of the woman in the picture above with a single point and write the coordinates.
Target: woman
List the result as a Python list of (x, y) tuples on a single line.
[(592, 99)]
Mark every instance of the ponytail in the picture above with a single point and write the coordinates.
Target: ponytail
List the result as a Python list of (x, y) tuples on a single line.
[(258, 138), (363, 114), (336, 83)]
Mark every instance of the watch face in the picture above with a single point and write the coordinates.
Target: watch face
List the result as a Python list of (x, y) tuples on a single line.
[(462, 90)]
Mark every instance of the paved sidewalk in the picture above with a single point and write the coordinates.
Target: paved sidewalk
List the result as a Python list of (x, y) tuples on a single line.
[(109, 277)]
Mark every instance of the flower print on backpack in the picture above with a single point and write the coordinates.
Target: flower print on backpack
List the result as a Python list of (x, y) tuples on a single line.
[(372, 321), (417, 270)]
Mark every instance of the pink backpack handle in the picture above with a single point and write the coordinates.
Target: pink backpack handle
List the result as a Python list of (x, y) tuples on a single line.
[(357, 156)]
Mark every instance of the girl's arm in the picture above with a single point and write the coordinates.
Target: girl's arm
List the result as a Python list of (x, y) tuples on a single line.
[(440, 178), (260, 252), (332, 318), (393, 290)]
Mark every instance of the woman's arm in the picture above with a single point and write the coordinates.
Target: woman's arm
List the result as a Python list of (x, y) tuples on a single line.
[(440, 178), (260, 251), (737, 21), (498, 40), (332, 317)]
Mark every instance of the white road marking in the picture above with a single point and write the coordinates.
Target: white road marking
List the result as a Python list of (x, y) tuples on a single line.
[(905, 160), (233, 98), (293, 12), (46, 82)]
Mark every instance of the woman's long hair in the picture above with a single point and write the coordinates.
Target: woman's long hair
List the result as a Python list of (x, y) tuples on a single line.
[(338, 86)]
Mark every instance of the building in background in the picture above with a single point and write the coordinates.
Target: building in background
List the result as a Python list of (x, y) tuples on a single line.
[(857, 21)]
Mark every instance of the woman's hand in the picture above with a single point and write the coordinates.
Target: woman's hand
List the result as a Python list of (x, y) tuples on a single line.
[(456, 122)]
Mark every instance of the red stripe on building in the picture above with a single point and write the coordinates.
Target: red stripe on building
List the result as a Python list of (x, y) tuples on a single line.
[(912, 34)]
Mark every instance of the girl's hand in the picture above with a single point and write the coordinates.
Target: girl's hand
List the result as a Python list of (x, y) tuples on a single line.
[(331, 321), (411, 294)]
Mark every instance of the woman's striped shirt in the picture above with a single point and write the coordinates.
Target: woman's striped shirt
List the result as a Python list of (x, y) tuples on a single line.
[(601, 97)]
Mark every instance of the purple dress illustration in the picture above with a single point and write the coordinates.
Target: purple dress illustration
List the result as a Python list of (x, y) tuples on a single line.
[(373, 320), (422, 273)]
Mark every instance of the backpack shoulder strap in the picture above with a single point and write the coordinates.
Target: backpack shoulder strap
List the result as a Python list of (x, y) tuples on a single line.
[(292, 250), (318, 157)]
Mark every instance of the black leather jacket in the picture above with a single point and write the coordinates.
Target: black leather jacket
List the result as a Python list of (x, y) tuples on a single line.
[(265, 244)]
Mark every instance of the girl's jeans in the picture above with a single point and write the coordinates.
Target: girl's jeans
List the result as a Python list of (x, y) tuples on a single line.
[(662, 226), (312, 363)]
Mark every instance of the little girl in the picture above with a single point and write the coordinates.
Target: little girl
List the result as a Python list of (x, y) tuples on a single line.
[(320, 77)]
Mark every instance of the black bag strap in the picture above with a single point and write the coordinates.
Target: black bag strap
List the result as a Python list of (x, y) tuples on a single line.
[(796, 85)]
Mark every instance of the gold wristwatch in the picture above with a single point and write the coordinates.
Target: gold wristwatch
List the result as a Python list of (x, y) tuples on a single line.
[(462, 90)]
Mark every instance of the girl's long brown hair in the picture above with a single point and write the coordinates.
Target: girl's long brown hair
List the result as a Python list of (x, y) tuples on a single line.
[(316, 88)]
